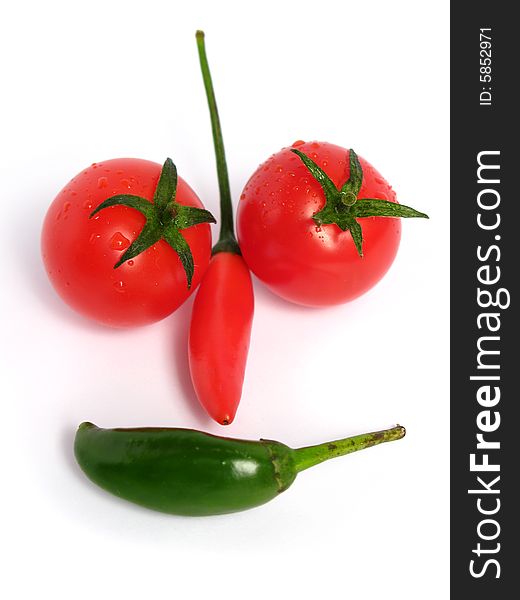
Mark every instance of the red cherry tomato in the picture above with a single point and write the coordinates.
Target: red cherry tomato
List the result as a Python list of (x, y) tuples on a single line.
[(298, 259), (219, 335), (80, 252)]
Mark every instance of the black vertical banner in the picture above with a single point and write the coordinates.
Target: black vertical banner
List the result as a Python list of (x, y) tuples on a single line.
[(485, 263)]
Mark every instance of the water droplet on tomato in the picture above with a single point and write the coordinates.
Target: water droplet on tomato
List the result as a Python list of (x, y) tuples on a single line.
[(120, 172), (87, 204), (102, 182), (120, 286), (317, 228), (130, 263), (314, 155), (66, 206), (279, 168), (380, 196), (119, 242), (315, 145), (58, 216), (380, 180), (325, 163), (125, 183), (95, 236), (297, 143)]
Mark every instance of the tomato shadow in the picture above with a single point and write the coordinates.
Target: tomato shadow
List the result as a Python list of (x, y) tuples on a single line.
[(264, 296), (178, 333)]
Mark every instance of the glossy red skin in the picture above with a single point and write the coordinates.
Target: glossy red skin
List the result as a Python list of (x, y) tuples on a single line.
[(80, 253), (219, 335), (296, 259)]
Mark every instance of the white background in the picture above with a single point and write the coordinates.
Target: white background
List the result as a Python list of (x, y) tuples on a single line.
[(87, 81)]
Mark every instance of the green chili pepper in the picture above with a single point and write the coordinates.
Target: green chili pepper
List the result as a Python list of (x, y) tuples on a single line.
[(187, 472)]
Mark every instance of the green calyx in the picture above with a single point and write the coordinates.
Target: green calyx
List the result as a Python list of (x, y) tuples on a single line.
[(343, 207), (165, 218)]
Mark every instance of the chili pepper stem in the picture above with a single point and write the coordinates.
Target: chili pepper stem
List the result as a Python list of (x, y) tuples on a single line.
[(312, 455), (227, 241)]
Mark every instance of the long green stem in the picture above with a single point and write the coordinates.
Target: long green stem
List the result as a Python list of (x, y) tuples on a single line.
[(227, 241), (313, 455)]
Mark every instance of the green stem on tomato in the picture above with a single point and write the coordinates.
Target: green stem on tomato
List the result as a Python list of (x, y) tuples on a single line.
[(165, 218), (341, 204), (313, 455), (227, 241)]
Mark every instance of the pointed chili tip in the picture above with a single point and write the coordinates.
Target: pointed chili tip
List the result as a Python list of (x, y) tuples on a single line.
[(226, 419)]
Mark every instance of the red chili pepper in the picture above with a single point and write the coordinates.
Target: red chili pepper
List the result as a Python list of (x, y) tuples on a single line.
[(223, 309)]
